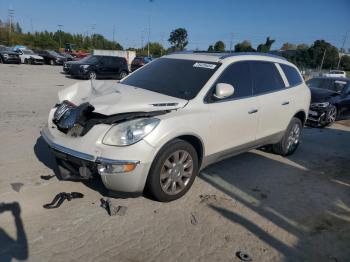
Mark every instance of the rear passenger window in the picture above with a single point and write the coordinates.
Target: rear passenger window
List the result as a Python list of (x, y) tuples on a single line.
[(237, 75), (292, 75), (266, 77)]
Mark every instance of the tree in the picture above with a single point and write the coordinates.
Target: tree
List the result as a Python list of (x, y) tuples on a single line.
[(219, 46), (178, 38), (267, 46), (345, 62), (302, 47), (244, 46), (316, 52), (288, 46), (155, 49), (210, 48)]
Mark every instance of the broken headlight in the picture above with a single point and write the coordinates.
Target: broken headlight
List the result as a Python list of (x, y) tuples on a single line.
[(323, 105), (129, 132)]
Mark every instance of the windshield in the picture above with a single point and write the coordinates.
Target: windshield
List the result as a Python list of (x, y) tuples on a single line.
[(53, 53), (90, 59), (327, 83), (173, 77), (4, 48), (27, 52)]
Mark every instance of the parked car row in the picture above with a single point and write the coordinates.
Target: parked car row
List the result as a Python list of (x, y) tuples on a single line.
[(22, 54)]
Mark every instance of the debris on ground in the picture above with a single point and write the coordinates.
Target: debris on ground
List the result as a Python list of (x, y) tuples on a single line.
[(113, 210), (48, 177), (60, 197), (206, 197), (194, 220), (243, 256), (17, 186)]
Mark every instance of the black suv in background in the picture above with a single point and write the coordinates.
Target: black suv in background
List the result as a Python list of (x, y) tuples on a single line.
[(7, 56), (97, 66), (140, 61), (51, 57)]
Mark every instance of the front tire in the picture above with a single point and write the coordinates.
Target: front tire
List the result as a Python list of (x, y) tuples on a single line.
[(290, 140), (173, 171), (330, 117)]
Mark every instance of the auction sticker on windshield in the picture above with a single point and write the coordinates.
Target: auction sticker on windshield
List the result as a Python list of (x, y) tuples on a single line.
[(204, 65)]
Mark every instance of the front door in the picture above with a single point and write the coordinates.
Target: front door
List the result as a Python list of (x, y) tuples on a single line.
[(233, 120)]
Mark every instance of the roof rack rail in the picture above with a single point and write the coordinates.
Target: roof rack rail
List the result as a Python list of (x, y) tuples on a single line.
[(252, 53), (223, 55)]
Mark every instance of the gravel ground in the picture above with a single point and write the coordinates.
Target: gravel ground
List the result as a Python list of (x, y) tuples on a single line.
[(273, 208)]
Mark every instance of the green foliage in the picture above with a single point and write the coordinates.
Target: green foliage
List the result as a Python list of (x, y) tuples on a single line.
[(245, 46), (210, 48), (288, 46), (50, 40), (345, 63), (178, 39), (219, 46), (316, 52), (267, 46), (302, 47)]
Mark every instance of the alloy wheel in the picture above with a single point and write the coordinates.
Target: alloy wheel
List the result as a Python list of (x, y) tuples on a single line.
[(294, 137), (332, 114), (92, 75), (176, 172)]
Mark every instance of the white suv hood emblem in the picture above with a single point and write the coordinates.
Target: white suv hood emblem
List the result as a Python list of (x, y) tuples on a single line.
[(109, 97)]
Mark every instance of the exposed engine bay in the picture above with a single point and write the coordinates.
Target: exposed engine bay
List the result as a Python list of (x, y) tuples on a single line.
[(78, 120)]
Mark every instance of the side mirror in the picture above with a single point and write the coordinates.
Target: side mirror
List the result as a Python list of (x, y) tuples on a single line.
[(223, 90)]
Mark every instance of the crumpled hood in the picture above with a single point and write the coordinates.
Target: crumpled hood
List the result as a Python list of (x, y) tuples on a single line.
[(319, 95), (110, 97)]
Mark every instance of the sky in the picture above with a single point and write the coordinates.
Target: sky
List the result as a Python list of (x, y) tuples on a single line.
[(206, 21)]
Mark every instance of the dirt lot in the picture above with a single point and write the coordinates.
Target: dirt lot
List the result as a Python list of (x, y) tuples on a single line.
[(273, 208)]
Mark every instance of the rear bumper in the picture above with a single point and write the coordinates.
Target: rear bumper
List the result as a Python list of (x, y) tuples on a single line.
[(75, 161)]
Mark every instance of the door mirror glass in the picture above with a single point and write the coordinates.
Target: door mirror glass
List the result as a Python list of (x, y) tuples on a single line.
[(223, 90)]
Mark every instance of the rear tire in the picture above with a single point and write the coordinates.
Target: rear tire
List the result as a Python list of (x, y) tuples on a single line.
[(92, 75), (123, 74), (290, 140), (1, 61), (26, 61), (173, 171), (52, 62)]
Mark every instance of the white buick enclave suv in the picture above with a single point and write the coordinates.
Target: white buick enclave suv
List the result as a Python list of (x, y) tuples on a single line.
[(158, 127)]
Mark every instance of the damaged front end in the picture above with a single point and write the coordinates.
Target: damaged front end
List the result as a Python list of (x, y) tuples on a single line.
[(78, 120)]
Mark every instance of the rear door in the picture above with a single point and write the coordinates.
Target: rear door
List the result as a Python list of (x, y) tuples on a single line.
[(275, 99), (233, 119)]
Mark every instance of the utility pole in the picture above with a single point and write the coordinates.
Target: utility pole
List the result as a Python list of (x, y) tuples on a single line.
[(231, 41), (324, 54), (11, 13), (342, 48), (59, 34), (149, 33), (31, 26), (113, 33)]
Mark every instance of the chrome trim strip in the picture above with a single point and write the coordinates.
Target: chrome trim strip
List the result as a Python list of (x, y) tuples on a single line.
[(66, 150), (116, 162), (84, 156)]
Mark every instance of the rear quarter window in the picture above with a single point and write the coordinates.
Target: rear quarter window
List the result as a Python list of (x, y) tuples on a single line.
[(292, 75)]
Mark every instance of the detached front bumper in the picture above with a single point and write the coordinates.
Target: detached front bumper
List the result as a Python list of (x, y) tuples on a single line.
[(87, 164)]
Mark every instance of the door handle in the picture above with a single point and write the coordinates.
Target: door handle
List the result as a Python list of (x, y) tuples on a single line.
[(285, 103), (253, 111)]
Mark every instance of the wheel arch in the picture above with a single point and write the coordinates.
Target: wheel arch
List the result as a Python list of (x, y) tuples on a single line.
[(301, 115)]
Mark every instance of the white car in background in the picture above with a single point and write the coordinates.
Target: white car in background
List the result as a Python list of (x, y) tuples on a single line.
[(335, 73), (156, 128), (29, 57)]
